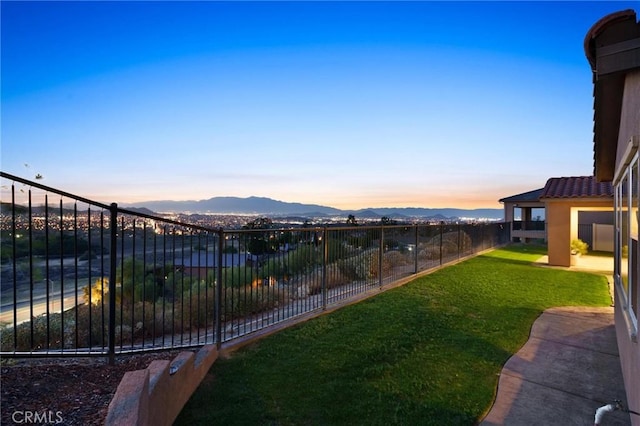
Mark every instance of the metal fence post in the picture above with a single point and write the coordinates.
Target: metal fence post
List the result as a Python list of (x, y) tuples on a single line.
[(325, 261), (459, 243), (217, 310), (113, 261), (482, 233), (380, 255), (415, 249), (441, 236), (15, 267)]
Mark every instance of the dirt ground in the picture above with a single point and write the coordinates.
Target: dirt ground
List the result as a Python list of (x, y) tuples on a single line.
[(64, 391)]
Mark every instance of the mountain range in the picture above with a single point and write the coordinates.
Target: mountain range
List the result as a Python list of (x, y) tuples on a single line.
[(268, 206)]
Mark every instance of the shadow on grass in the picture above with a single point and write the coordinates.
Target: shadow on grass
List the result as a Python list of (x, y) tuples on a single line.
[(518, 253)]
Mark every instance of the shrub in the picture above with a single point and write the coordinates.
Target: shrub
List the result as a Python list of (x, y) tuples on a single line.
[(237, 276), (337, 249), (579, 247), (62, 331), (398, 258), (92, 325), (147, 291), (97, 291), (452, 243), (374, 263), (355, 268), (301, 260), (248, 300), (23, 330), (197, 306), (335, 278)]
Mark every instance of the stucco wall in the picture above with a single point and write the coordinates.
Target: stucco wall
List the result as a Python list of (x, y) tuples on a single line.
[(628, 348), (508, 212), (559, 232), (562, 225), (629, 360), (630, 116)]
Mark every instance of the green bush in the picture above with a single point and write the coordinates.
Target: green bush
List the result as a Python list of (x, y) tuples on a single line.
[(87, 324), (71, 330), (579, 247), (197, 306), (355, 268), (337, 250), (237, 276), (249, 300), (146, 291), (301, 260)]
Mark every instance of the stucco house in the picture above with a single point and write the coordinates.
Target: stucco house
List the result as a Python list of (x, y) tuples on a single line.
[(519, 212), (612, 47), (564, 199), (566, 203)]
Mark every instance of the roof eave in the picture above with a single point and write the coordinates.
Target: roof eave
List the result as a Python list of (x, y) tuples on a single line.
[(606, 45)]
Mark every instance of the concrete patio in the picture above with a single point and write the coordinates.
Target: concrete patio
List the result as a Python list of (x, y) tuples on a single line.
[(568, 368)]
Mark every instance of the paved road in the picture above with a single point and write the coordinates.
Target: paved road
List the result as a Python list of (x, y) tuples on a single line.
[(40, 306)]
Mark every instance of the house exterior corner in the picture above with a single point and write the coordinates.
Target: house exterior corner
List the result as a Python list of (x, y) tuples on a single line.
[(612, 47)]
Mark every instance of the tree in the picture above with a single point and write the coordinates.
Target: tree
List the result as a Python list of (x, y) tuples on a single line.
[(351, 220), (260, 243), (387, 221), (259, 223)]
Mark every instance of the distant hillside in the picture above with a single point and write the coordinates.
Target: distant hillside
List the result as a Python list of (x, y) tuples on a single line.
[(268, 206), (142, 210), (404, 212), (226, 205)]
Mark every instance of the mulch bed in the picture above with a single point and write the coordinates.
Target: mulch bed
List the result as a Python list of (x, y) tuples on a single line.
[(65, 391)]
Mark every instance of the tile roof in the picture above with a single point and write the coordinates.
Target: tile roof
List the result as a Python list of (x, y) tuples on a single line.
[(530, 196), (577, 187)]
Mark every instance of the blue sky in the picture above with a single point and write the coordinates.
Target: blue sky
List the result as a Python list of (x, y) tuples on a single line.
[(345, 104)]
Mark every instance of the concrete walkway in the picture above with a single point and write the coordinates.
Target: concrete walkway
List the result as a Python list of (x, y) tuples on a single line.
[(567, 370)]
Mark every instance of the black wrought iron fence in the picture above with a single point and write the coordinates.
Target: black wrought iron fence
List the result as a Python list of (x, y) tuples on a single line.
[(84, 278), (531, 225)]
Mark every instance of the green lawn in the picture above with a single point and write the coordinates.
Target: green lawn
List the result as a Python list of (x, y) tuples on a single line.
[(429, 352)]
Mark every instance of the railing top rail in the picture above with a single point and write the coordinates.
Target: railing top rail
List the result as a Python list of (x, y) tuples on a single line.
[(103, 205), (53, 190), (366, 227)]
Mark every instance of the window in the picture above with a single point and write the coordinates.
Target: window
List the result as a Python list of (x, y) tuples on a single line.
[(634, 187), (627, 268), (622, 205)]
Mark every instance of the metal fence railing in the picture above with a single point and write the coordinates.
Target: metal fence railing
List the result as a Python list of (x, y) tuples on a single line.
[(531, 225), (84, 278)]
